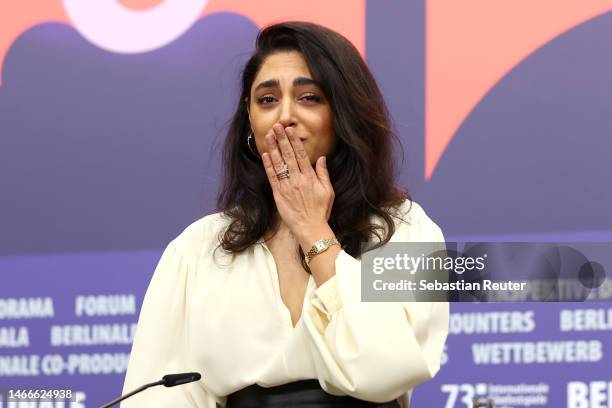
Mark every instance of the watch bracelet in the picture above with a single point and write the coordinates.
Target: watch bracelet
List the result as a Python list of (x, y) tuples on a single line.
[(313, 251)]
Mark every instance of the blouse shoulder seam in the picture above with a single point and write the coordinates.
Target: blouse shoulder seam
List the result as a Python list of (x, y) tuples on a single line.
[(200, 231)]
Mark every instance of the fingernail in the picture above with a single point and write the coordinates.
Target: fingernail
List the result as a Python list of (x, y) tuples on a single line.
[(324, 161)]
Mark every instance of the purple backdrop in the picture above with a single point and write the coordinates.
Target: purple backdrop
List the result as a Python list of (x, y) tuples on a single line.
[(106, 157)]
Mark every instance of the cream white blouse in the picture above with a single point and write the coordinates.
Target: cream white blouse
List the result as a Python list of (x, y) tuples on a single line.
[(226, 320)]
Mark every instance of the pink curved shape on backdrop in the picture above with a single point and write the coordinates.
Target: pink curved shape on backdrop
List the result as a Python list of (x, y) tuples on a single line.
[(344, 16), (471, 45), (18, 16), (348, 17), (140, 4)]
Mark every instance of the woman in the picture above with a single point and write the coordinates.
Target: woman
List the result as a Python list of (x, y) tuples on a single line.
[(263, 298)]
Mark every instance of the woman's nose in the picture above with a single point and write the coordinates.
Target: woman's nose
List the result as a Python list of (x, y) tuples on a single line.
[(287, 114)]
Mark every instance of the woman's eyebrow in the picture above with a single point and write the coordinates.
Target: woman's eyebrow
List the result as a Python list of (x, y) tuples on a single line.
[(270, 83), (299, 81), (304, 81)]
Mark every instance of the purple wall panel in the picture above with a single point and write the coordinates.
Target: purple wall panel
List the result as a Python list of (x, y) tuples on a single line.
[(104, 158)]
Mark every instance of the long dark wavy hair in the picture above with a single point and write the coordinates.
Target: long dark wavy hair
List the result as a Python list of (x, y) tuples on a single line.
[(362, 169)]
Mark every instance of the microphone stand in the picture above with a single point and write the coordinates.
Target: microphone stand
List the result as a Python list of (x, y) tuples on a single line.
[(168, 380), (136, 391)]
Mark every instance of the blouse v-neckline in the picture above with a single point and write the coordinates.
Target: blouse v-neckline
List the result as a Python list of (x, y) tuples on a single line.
[(285, 313)]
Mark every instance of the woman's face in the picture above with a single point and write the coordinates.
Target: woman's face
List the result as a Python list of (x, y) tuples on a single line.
[(284, 92)]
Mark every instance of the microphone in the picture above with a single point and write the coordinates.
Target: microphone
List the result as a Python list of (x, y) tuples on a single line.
[(169, 380)]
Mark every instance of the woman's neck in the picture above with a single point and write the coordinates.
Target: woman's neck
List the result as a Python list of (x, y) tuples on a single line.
[(278, 228)]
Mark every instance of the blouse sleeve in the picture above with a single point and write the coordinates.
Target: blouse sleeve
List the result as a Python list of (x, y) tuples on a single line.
[(160, 342), (375, 351)]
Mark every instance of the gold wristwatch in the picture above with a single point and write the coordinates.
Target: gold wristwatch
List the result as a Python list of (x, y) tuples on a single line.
[(319, 247)]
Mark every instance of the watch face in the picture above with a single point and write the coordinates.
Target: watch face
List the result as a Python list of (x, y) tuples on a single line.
[(320, 246)]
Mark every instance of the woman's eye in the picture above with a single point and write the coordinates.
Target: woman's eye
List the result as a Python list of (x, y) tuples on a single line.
[(264, 100), (311, 98)]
